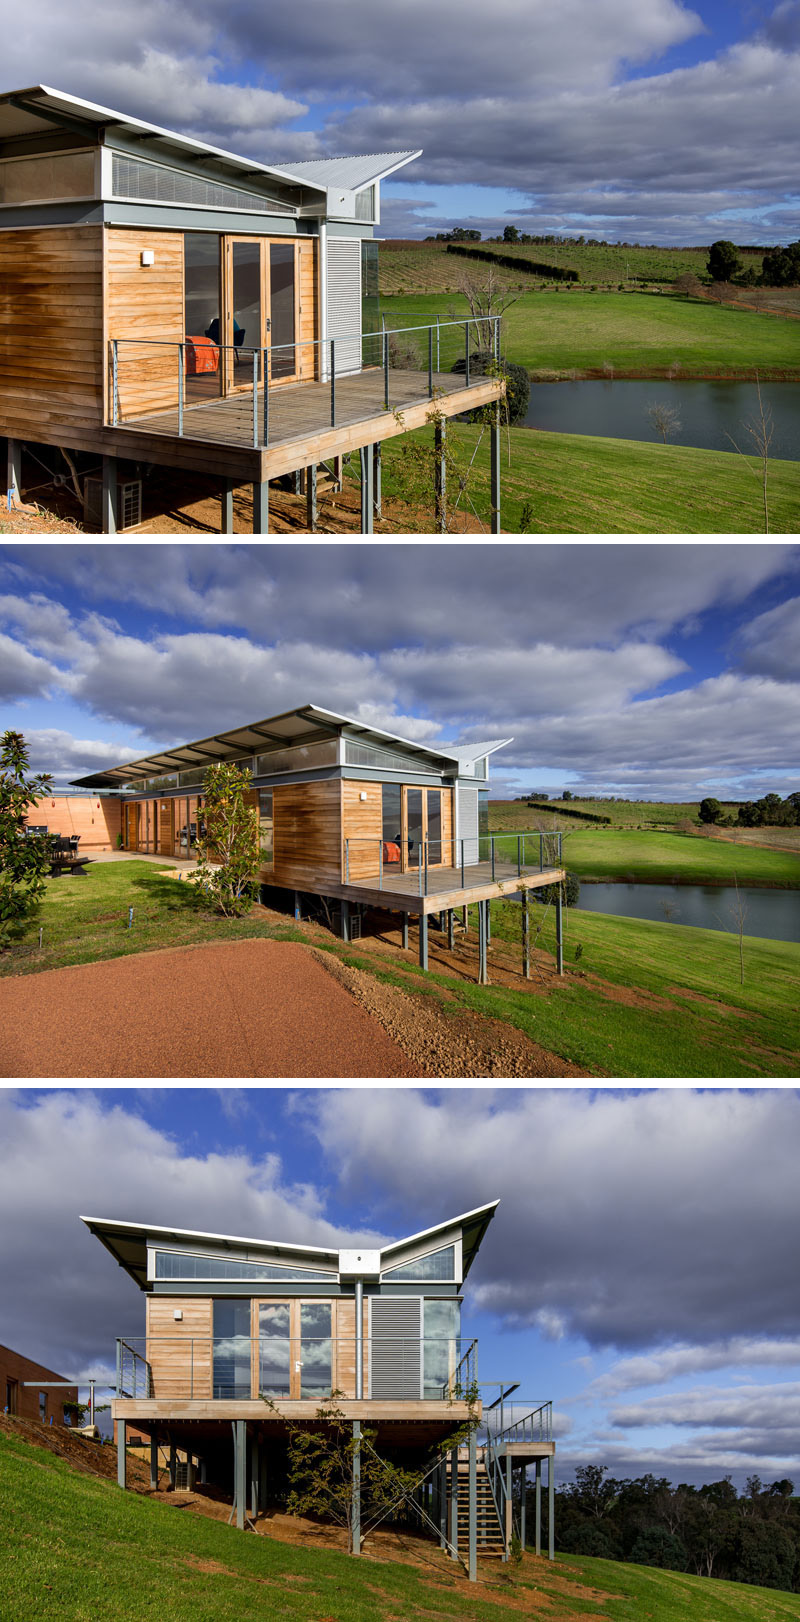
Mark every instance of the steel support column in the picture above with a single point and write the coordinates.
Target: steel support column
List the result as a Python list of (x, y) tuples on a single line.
[(110, 503), (488, 906), (173, 1465), (311, 498), (494, 434), (367, 489), (559, 932), (356, 1514), (442, 1474), (526, 937), (240, 1469), (451, 929), (454, 1503), (154, 1463), (509, 1531), (523, 1503), (14, 474), (261, 507), (405, 931), (359, 1292), (538, 1508), (473, 1507), (226, 500), (298, 909), (440, 477), (423, 940), (377, 502), (483, 959), (122, 1475), (345, 920), (551, 1508)]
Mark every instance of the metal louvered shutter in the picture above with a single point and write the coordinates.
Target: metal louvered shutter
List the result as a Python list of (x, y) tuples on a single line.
[(396, 1348), (468, 821), (344, 302)]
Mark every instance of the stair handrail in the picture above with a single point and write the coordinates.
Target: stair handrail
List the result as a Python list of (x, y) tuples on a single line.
[(494, 1474), (543, 1413)]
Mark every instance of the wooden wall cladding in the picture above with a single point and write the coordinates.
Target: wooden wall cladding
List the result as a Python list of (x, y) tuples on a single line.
[(97, 822), (307, 838), (362, 824), (179, 1351), (145, 302), (308, 325), (51, 330)]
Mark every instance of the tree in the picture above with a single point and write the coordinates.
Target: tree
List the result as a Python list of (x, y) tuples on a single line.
[(781, 266), (486, 297), (24, 858), (710, 811), (723, 261), (688, 284), (511, 234), (228, 850), (664, 419)]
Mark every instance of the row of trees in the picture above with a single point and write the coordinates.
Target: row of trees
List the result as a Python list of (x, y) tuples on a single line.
[(711, 1530), (768, 812), (780, 267)]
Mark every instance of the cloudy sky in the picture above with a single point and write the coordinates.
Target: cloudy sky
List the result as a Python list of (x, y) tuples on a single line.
[(664, 670), (638, 120), (641, 1270)]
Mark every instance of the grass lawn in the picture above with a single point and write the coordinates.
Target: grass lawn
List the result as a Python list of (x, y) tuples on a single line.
[(663, 858), (86, 919), (638, 334), (74, 1547), (582, 484)]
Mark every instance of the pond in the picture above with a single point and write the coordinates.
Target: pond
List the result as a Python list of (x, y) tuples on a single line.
[(711, 414), (770, 914)]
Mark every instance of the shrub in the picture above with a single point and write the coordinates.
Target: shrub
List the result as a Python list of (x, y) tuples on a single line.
[(24, 859), (518, 383)]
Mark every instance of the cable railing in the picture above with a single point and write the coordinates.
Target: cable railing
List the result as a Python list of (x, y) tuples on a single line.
[(308, 1368), (534, 1425), (423, 866), (260, 396)]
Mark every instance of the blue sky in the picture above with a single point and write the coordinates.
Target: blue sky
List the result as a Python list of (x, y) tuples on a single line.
[(642, 669), (639, 1270), (640, 120)]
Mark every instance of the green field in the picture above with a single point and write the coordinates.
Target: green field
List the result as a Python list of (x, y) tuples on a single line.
[(649, 856), (578, 484), (75, 1548), (412, 267), (566, 333), (622, 813)]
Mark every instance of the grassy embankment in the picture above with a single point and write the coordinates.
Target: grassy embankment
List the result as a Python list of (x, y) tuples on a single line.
[(641, 999), (74, 1547), (582, 484), (564, 334)]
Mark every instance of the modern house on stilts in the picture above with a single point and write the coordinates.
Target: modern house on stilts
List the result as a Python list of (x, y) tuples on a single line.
[(168, 304), (233, 1321), (350, 814)]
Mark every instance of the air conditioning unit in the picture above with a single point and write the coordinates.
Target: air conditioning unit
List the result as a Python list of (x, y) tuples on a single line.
[(355, 926), (184, 1477), (129, 502)]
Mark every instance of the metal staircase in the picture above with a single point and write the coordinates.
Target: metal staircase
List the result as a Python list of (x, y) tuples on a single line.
[(490, 1536)]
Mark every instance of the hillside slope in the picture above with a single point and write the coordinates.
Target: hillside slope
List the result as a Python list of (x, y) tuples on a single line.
[(74, 1547)]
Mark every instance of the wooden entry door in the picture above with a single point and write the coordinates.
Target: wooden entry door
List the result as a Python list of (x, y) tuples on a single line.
[(132, 826), (261, 310)]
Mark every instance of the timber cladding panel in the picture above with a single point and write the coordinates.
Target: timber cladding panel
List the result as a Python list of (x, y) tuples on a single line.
[(179, 1351), (344, 1367), (308, 309), (96, 822), (307, 834), (145, 302), (51, 331), (362, 824)]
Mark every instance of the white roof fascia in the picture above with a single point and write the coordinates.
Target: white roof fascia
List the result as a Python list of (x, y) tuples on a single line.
[(154, 1229), (440, 1228), (464, 752), (66, 103), (349, 172)]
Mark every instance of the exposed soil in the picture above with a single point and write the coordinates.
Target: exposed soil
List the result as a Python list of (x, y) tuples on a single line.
[(93, 1458)]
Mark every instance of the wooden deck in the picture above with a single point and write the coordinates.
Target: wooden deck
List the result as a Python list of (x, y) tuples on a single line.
[(400, 891), (300, 410)]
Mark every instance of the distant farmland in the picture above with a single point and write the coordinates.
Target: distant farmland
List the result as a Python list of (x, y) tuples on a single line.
[(426, 267)]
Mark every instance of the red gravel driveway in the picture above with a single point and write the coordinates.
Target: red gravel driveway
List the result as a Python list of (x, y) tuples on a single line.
[(254, 1008)]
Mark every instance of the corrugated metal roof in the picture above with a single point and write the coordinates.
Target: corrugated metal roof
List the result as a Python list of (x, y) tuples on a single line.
[(474, 751), (350, 173)]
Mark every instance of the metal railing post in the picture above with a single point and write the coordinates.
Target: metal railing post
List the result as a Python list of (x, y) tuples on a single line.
[(419, 867), (333, 382), (380, 864), (115, 381), (266, 397), (425, 843), (181, 386), (462, 863), (347, 861), (491, 842), (119, 1368), (519, 858), (438, 335), (385, 368), (430, 363), (541, 853), (466, 354), (255, 399)]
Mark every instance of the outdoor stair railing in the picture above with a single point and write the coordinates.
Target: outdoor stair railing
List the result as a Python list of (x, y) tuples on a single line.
[(150, 378)]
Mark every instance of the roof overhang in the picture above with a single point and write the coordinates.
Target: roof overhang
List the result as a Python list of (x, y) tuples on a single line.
[(299, 726)]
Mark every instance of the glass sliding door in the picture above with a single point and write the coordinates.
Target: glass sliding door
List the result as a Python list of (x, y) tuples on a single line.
[(246, 305), (316, 1368), (282, 281), (231, 1363), (274, 1350), (201, 320)]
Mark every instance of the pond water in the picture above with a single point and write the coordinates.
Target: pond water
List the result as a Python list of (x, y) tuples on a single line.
[(770, 914), (711, 414)]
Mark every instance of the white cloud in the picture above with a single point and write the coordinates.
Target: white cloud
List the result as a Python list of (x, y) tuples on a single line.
[(674, 1362)]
